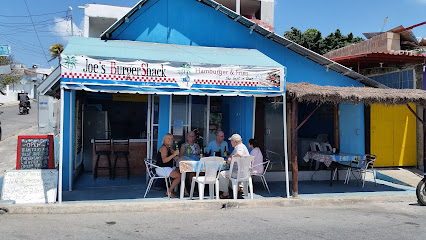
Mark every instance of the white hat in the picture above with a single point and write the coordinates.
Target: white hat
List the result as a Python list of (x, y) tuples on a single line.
[(236, 138)]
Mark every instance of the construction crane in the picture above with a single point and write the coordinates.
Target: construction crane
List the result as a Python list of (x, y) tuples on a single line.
[(381, 29), (409, 28)]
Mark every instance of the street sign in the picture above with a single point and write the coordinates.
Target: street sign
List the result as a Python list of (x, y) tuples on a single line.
[(45, 114), (5, 50)]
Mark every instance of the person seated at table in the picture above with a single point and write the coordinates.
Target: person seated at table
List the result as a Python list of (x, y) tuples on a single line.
[(240, 150), (214, 145), (258, 156), (165, 159), (193, 146), (194, 152)]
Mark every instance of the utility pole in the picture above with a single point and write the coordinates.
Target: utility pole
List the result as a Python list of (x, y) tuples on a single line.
[(238, 7), (72, 30)]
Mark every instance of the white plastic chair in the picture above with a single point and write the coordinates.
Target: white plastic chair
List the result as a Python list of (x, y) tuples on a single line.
[(262, 175), (315, 147), (326, 147), (243, 174), (362, 168), (275, 158), (211, 166), (151, 170)]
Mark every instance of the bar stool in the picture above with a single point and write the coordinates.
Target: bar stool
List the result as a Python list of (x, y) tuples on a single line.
[(121, 148), (102, 147)]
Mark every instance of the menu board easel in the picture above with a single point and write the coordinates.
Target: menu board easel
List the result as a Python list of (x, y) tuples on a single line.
[(35, 152)]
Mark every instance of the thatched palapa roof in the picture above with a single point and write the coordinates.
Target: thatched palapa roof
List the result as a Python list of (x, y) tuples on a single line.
[(367, 95)]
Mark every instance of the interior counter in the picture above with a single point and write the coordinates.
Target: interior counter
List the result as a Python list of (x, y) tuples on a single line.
[(137, 154)]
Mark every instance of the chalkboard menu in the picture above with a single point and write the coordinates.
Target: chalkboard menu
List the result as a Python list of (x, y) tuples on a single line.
[(35, 152)]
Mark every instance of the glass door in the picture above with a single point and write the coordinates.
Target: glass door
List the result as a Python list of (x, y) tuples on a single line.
[(269, 130), (152, 126), (189, 113)]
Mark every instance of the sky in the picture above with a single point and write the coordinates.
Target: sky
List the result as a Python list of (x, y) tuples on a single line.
[(31, 37)]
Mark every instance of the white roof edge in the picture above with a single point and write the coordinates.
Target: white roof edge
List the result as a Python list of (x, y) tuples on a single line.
[(51, 80)]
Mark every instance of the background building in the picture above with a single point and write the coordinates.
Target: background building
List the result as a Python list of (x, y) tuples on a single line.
[(396, 59)]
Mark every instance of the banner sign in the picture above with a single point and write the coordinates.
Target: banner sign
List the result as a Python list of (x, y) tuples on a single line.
[(83, 69), (4, 50)]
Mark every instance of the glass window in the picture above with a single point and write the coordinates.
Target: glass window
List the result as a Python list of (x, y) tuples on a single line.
[(180, 109), (199, 118)]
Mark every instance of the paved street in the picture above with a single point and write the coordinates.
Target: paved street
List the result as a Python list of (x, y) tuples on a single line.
[(13, 125), (373, 220)]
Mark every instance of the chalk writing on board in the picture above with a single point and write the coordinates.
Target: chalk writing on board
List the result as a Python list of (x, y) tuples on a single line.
[(30, 186), (34, 152)]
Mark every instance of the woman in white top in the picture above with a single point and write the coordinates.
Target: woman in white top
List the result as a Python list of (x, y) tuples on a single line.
[(258, 156)]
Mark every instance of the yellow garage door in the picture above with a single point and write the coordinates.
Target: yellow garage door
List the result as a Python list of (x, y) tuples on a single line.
[(393, 135)]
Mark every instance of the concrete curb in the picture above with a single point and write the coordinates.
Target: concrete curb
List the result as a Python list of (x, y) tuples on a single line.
[(186, 205)]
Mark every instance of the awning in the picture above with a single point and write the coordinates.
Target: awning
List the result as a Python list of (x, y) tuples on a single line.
[(152, 68), (305, 92)]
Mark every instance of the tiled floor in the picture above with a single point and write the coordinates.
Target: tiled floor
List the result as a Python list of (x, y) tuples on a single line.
[(87, 189)]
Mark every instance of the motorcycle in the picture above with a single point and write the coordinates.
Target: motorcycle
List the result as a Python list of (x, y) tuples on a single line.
[(421, 191), (24, 109)]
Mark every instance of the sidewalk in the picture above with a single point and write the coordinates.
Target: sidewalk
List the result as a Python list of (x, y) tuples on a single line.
[(127, 196), (409, 176), (194, 205)]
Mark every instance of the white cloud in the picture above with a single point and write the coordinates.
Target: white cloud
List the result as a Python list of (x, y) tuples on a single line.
[(62, 28), (421, 1)]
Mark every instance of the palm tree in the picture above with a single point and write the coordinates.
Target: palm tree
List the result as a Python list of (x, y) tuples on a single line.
[(56, 50)]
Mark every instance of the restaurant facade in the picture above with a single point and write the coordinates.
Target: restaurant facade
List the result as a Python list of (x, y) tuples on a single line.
[(175, 66)]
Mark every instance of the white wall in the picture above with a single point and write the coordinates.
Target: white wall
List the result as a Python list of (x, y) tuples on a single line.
[(98, 18), (12, 91)]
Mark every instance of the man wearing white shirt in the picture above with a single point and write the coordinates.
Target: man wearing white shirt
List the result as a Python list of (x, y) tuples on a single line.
[(240, 150)]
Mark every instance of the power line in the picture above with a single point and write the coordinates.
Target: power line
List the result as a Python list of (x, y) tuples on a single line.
[(36, 32), (28, 23), (17, 42), (44, 14), (39, 24)]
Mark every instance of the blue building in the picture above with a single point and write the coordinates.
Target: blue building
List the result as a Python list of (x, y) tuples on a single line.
[(174, 66)]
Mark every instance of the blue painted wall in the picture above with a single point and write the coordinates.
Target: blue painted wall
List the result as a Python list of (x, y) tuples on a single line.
[(188, 22), (351, 128), (238, 117), (247, 118), (67, 131)]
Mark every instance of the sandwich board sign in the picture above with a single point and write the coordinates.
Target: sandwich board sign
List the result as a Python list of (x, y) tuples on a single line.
[(30, 186)]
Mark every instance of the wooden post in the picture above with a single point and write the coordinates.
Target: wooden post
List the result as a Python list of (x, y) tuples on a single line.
[(294, 167), (424, 132), (336, 126)]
